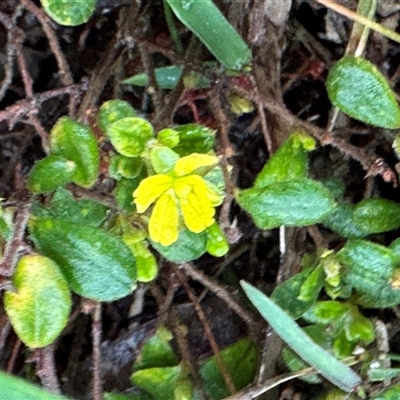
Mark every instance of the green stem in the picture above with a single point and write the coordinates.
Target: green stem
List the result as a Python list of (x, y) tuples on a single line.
[(169, 17)]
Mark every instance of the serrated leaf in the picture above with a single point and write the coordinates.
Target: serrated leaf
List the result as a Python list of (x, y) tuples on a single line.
[(76, 142), (241, 360), (39, 308), (207, 22), (370, 269), (12, 388), (130, 135), (194, 138), (69, 12), (112, 111), (163, 159), (289, 162), (327, 365), (291, 203), (82, 211), (342, 221), (359, 89), (95, 264), (50, 173), (286, 295), (189, 246), (377, 215)]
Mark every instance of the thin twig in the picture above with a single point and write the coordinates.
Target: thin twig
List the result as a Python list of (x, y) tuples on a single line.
[(13, 358), (46, 369), (96, 337)]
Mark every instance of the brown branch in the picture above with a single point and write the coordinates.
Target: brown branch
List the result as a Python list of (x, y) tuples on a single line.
[(96, 337), (46, 368)]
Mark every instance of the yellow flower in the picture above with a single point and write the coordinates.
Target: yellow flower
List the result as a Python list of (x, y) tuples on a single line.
[(180, 194)]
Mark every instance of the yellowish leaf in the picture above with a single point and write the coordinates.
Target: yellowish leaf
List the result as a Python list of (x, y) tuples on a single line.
[(164, 220), (197, 209), (190, 163), (150, 189), (212, 194)]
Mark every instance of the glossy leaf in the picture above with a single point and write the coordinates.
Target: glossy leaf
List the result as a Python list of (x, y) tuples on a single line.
[(205, 20), (39, 308), (82, 211), (328, 366), (370, 269), (359, 89), (50, 173), (286, 295), (12, 388), (291, 203), (194, 138), (130, 135), (241, 360), (189, 246), (161, 383), (217, 244), (96, 264), (76, 143), (69, 12), (163, 159), (112, 111), (377, 215), (289, 162)]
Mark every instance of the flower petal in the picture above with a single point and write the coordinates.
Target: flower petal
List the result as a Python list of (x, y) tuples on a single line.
[(164, 220), (188, 164), (197, 209), (150, 189)]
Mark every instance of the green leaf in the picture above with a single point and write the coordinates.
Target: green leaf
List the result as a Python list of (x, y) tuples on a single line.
[(342, 221), (76, 143), (291, 203), (286, 295), (328, 366), (168, 137), (96, 264), (188, 247), (342, 346), (370, 269), (325, 312), (12, 388), (313, 284), (217, 244), (194, 138), (69, 12), (358, 327), (396, 145), (123, 193), (381, 374), (289, 162), (205, 20), (130, 135), (112, 111), (125, 167), (82, 211), (241, 360), (157, 352), (392, 393), (146, 263), (377, 215), (159, 382), (358, 88), (39, 308), (50, 173), (163, 159), (117, 396)]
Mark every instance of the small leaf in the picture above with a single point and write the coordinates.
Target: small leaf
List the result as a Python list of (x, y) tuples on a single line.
[(39, 310), (146, 263), (382, 374), (392, 393), (50, 173), (313, 284), (12, 388), (328, 366), (359, 89), (112, 111), (189, 164), (168, 137), (291, 203), (194, 138), (217, 244), (123, 193), (325, 312), (69, 12), (370, 269), (77, 143), (241, 360), (130, 135), (125, 167), (358, 327), (289, 162), (188, 247), (96, 264), (377, 215), (207, 22), (163, 159)]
